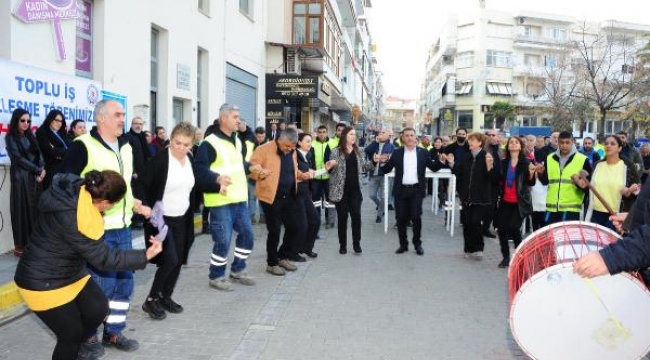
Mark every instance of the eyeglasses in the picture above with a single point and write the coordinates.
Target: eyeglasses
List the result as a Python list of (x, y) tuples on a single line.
[(25, 121)]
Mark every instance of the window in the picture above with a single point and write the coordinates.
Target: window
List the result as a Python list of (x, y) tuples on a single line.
[(465, 119), (153, 102), (307, 22), (465, 59), (496, 58), (499, 88), (84, 50), (500, 31), (246, 7), (556, 34), (204, 6), (531, 60), (550, 61)]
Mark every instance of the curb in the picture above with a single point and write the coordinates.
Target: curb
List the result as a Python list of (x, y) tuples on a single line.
[(11, 304)]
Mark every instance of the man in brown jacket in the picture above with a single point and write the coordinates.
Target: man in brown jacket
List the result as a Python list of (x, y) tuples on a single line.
[(274, 167)]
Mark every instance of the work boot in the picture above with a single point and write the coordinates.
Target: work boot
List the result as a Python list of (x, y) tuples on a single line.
[(242, 277), (221, 283), (120, 342)]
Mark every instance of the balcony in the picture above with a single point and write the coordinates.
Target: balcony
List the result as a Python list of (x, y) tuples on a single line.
[(539, 42), (536, 71), (530, 100)]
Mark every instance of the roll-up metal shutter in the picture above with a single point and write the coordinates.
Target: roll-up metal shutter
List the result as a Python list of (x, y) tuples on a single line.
[(241, 90)]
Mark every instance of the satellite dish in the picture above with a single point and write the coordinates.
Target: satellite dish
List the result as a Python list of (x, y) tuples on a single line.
[(522, 19)]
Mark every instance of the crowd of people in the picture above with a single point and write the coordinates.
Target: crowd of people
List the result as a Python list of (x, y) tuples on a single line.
[(236, 177)]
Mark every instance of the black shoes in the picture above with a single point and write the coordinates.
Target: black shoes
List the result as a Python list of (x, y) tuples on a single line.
[(171, 306), (378, 220), (357, 248), (311, 254), (391, 207), (297, 258), (153, 307), (401, 250), (489, 234), (120, 342), (418, 250), (504, 264), (343, 250)]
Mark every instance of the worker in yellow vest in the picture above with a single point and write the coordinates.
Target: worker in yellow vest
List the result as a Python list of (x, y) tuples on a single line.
[(564, 199), (220, 170), (104, 148)]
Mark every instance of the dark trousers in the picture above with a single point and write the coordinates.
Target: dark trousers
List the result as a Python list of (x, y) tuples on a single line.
[(308, 215), (170, 259), (602, 218), (538, 219), (349, 204), (283, 211), (408, 207), (490, 217), (555, 217), (321, 191), (472, 217), (509, 228), (72, 322)]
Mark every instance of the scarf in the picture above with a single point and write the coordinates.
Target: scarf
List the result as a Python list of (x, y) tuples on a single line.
[(510, 176)]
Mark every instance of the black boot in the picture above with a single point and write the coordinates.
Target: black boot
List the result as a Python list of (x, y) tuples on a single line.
[(357, 247)]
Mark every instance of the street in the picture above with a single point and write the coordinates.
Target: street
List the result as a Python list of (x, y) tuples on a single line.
[(378, 305)]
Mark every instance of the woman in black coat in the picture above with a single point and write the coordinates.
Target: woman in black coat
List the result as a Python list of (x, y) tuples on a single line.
[(476, 176), (27, 173), (53, 142), (168, 180), (516, 177), (53, 277)]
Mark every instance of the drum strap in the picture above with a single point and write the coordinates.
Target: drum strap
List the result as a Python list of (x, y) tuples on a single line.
[(625, 333)]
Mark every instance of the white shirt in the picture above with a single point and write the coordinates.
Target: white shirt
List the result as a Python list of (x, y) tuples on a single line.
[(180, 181), (410, 175)]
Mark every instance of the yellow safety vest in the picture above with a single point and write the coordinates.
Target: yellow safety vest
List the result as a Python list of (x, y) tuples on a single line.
[(101, 158), (229, 162), (563, 195), (319, 157)]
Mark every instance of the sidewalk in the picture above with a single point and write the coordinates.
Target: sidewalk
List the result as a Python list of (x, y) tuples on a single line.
[(378, 305)]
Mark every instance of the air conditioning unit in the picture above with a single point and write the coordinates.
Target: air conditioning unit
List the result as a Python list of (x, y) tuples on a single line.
[(293, 62)]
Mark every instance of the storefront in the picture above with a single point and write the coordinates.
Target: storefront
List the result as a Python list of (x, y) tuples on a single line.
[(295, 99)]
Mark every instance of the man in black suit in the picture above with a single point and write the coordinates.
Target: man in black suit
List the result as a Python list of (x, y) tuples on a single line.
[(409, 187)]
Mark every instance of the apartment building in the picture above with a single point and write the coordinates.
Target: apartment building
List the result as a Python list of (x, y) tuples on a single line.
[(320, 63), (483, 56)]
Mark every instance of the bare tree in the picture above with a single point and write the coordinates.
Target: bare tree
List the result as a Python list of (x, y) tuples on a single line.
[(604, 66), (558, 85)]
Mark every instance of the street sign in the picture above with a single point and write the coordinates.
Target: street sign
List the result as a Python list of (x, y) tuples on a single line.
[(34, 11)]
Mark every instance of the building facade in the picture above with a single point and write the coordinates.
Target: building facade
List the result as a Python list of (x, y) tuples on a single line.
[(484, 56)]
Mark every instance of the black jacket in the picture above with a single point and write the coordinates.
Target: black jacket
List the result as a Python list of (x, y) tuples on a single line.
[(523, 183), (53, 149), (630, 253), (304, 165), (397, 161), (57, 252), (141, 151), (459, 151), (150, 187), (474, 181)]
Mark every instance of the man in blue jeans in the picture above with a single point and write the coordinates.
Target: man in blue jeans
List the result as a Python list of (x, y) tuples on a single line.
[(220, 172), (104, 148)]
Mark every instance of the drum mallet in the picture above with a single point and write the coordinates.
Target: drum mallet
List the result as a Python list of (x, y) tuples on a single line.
[(583, 176)]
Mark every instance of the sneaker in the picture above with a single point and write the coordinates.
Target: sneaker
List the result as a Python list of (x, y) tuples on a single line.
[(477, 255), (171, 306), (275, 270), (221, 283), (91, 349), (120, 342), (152, 307), (284, 263), (242, 277)]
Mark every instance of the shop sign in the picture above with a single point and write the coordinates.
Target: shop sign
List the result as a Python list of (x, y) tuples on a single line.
[(289, 86)]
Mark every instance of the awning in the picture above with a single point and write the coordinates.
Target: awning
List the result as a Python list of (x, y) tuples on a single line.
[(499, 88), (465, 88)]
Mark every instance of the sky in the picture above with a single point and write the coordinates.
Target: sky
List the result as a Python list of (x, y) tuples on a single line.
[(403, 30)]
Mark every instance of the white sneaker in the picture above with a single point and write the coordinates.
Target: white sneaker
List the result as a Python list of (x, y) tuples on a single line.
[(221, 283), (477, 255)]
